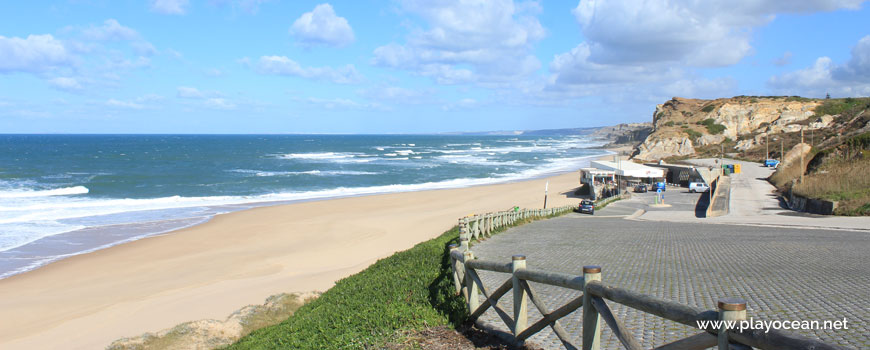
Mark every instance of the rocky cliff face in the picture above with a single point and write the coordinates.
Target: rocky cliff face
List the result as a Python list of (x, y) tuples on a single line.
[(623, 134), (681, 125)]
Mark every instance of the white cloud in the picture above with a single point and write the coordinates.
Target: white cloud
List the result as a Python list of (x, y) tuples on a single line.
[(343, 103), (35, 53), (396, 94), (189, 92), (698, 33), (575, 68), (281, 65), (857, 69), (322, 27), (851, 78), (143, 48), (65, 83), (169, 7), (219, 103), (148, 101), (194, 93), (650, 49), (111, 30), (784, 60), (249, 6), (464, 103), (124, 104), (468, 41)]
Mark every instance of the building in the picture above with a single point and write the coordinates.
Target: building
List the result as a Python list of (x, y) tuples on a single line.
[(606, 178), (630, 170), (679, 174)]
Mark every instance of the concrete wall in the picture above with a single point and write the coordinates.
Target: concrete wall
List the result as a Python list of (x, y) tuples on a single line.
[(810, 205), (721, 204)]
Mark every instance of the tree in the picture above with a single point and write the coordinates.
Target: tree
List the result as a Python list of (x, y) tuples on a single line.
[(827, 96)]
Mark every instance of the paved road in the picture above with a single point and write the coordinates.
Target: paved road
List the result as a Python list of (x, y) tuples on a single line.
[(783, 273), (754, 202)]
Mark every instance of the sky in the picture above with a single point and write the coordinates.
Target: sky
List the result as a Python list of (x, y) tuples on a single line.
[(409, 66)]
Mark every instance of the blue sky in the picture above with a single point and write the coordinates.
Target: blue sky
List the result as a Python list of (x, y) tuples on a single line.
[(409, 66)]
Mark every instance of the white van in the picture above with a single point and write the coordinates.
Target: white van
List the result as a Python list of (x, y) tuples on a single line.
[(698, 187)]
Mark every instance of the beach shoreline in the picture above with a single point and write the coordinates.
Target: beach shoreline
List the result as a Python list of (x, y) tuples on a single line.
[(237, 259)]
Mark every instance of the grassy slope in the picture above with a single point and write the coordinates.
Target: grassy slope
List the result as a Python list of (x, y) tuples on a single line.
[(408, 290), (841, 173)]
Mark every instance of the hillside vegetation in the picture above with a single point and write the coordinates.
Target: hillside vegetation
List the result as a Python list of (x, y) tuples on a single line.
[(835, 131)]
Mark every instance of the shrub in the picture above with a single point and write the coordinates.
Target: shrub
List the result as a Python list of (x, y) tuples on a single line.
[(708, 108), (840, 106), (692, 134), (670, 123), (715, 128), (708, 121)]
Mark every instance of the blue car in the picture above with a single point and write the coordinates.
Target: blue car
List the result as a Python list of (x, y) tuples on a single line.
[(586, 206), (771, 163)]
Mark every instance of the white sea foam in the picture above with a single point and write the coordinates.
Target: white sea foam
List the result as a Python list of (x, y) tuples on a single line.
[(329, 157), (65, 191), (476, 160), (264, 173), (34, 214), (318, 155)]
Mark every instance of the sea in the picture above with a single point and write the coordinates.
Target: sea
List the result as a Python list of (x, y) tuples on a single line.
[(64, 195)]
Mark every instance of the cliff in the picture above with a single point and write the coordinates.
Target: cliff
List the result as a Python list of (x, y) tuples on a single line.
[(682, 125)]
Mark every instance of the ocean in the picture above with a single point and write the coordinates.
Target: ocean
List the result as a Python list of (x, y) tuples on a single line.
[(63, 195)]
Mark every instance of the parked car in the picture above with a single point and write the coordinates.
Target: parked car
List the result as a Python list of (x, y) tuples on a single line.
[(660, 186), (586, 206), (641, 188), (771, 163), (698, 187)]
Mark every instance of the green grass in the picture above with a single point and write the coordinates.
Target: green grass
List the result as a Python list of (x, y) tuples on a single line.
[(842, 105), (692, 133), (409, 290), (708, 108), (712, 127)]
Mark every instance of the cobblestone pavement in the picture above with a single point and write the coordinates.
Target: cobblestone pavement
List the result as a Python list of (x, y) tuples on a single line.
[(784, 274)]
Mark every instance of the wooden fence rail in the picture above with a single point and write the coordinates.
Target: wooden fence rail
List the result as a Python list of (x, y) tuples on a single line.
[(595, 295)]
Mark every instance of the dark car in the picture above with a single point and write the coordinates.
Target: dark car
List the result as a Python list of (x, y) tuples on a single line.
[(640, 188), (586, 207)]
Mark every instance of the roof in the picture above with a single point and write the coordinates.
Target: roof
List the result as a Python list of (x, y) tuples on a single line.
[(628, 168), (596, 171)]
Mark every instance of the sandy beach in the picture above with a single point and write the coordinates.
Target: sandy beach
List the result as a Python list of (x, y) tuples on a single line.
[(236, 259)]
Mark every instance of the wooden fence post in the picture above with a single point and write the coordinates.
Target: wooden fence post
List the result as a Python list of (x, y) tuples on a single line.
[(521, 300), (730, 309), (473, 300), (591, 318), (457, 282)]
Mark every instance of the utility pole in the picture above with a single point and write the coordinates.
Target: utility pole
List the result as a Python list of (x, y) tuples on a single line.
[(802, 157), (781, 149), (766, 146)]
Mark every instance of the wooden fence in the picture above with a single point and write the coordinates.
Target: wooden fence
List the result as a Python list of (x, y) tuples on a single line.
[(595, 292), (476, 226)]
